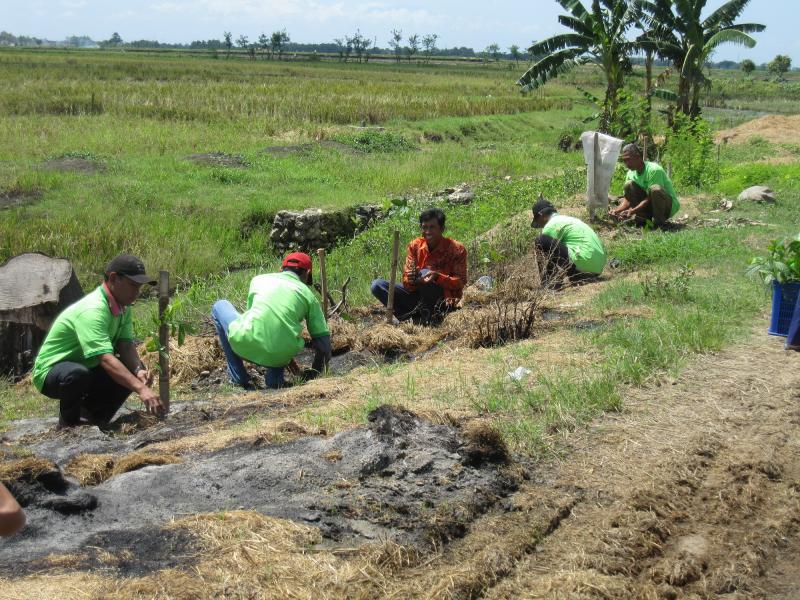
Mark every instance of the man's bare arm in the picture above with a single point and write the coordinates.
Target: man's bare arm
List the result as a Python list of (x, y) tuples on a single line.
[(12, 519)]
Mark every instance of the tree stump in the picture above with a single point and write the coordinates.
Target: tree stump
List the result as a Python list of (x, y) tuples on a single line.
[(34, 289)]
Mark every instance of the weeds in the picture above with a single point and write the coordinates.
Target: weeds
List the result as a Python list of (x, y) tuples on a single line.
[(667, 287), (377, 141)]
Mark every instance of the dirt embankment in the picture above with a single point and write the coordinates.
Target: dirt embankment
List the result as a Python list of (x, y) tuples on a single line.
[(777, 129)]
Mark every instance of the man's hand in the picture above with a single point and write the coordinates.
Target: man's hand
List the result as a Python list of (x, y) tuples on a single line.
[(430, 277), (151, 400)]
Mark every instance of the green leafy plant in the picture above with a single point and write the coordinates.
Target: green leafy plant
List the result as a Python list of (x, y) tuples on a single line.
[(690, 147), (781, 265), (178, 328)]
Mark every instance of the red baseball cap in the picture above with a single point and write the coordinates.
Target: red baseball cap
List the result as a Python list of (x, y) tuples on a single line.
[(299, 260)]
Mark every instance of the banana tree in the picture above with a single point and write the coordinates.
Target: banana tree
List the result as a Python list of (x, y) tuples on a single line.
[(598, 37), (677, 32)]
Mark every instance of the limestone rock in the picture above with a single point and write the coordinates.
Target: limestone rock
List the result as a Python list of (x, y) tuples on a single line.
[(461, 195), (758, 193)]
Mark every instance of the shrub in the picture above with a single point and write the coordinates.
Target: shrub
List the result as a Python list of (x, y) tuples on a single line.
[(690, 147)]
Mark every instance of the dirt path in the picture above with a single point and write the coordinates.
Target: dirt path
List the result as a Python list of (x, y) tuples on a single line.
[(694, 492)]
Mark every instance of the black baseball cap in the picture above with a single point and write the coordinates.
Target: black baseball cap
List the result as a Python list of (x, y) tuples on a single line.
[(131, 267), (543, 207)]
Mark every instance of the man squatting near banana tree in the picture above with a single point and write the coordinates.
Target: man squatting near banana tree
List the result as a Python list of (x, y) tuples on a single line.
[(88, 361), (269, 332), (567, 247), (648, 193), (434, 274)]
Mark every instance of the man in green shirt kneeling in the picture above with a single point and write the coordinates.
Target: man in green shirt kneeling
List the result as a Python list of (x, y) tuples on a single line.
[(567, 247), (269, 332), (648, 192), (88, 360)]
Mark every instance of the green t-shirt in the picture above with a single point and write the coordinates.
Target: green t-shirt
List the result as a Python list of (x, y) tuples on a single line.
[(81, 334), (585, 248), (269, 332), (654, 174)]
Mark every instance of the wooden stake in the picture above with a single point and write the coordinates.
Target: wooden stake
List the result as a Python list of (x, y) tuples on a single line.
[(163, 340), (323, 280), (393, 280)]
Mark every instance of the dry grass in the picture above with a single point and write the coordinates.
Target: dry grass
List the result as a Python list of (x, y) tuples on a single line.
[(241, 555), (25, 469), (197, 354), (94, 469)]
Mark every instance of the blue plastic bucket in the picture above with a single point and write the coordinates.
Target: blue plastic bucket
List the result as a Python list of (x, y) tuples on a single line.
[(784, 298)]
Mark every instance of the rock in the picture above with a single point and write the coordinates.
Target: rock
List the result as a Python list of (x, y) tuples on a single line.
[(461, 195), (758, 193), (315, 228)]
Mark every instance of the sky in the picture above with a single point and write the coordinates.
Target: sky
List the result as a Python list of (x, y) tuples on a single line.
[(471, 23)]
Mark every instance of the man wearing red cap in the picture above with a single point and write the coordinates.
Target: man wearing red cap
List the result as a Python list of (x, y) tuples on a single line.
[(269, 332), (77, 363)]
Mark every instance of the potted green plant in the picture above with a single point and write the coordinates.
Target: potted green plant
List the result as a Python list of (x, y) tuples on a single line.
[(780, 269)]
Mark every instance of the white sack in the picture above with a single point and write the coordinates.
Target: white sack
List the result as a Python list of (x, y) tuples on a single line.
[(598, 184)]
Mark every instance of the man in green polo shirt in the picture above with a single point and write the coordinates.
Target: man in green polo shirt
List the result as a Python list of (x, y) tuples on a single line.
[(269, 332), (648, 192), (567, 247), (88, 360)]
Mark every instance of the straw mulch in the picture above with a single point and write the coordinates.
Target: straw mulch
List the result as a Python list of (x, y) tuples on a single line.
[(241, 554), (27, 469), (94, 469), (186, 362)]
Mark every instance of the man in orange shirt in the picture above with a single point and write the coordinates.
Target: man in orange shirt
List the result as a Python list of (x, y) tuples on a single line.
[(434, 274)]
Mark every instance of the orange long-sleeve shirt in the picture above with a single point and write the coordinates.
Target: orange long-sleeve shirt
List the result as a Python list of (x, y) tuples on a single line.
[(449, 259)]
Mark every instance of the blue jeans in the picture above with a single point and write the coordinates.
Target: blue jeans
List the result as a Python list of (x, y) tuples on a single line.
[(421, 305), (223, 313)]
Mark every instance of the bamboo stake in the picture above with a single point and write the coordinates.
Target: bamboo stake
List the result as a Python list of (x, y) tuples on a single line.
[(324, 281), (393, 280), (163, 339)]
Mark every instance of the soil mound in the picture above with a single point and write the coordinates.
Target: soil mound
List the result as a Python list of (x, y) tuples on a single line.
[(74, 164), (219, 159), (777, 129), (400, 478), (13, 197)]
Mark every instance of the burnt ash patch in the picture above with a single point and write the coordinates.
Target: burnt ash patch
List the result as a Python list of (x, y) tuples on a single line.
[(400, 477)]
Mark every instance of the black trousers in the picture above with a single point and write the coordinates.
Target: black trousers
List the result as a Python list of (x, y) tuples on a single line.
[(556, 263), (83, 392), (426, 305)]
